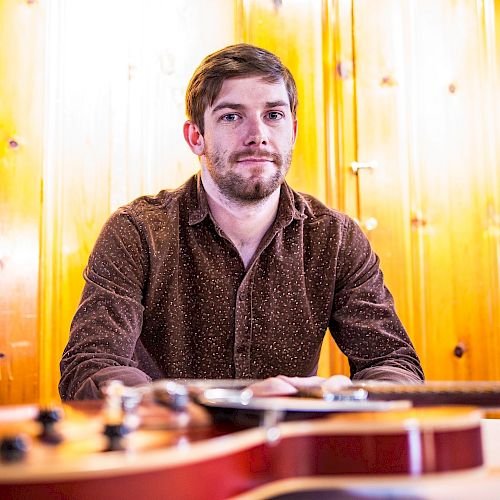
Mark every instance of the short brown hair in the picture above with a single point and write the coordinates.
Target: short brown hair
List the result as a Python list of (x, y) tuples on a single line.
[(235, 61)]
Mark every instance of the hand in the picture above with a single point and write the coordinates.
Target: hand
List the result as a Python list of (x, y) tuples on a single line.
[(282, 385), (273, 386), (301, 383), (336, 382)]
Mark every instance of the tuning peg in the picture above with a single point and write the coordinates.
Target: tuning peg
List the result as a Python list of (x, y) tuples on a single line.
[(115, 434), (172, 395), (13, 448), (48, 419)]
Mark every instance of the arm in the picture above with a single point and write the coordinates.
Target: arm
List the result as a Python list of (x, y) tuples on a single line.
[(108, 321), (363, 321)]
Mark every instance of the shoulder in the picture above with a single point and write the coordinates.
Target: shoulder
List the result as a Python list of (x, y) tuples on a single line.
[(163, 201), (313, 211), (340, 232), (161, 208)]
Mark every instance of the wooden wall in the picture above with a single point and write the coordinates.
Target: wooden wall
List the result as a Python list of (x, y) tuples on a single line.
[(114, 111), (91, 108), (95, 92), (425, 96), (22, 33), (408, 87)]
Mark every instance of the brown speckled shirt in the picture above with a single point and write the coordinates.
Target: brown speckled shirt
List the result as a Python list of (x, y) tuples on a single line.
[(167, 296)]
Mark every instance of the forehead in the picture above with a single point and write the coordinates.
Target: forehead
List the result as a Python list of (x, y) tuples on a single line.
[(251, 91)]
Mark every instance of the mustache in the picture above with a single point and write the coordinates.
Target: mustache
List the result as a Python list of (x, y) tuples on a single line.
[(239, 155)]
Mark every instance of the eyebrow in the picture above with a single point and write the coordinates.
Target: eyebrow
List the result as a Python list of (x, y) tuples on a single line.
[(233, 105)]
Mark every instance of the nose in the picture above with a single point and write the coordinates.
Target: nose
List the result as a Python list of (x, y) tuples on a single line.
[(257, 133)]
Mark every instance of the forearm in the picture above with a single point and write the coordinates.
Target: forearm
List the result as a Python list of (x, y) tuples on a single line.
[(388, 373), (90, 387), (364, 322), (108, 322)]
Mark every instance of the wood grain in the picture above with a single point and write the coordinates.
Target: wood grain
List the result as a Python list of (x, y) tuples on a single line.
[(22, 33), (426, 117)]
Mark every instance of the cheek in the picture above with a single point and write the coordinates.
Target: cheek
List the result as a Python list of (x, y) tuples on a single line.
[(288, 140), (225, 144), (285, 135), (215, 141)]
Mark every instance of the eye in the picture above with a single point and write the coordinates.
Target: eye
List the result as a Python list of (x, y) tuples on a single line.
[(230, 117), (275, 115)]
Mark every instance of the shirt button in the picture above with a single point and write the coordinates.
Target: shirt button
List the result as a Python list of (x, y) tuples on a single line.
[(242, 296)]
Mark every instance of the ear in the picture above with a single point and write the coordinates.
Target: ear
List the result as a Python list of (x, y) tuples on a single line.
[(194, 138), (295, 130)]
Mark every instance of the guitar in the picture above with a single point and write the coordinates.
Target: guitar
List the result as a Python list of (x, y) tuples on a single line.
[(485, 394), (185, 455)]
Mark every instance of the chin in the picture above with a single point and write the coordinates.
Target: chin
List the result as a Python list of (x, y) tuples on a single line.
[(259, 191)]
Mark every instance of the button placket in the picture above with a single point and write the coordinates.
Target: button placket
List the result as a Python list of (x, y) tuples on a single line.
[(242, 330)]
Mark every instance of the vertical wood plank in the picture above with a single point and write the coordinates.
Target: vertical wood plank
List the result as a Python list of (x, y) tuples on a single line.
[(381, 55), (21, 132), (491, 22), (340, 126)]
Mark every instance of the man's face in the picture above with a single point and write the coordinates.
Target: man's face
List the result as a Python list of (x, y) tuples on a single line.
[(249, 137)]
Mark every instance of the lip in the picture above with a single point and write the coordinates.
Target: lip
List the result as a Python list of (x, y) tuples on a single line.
[(252, 159)]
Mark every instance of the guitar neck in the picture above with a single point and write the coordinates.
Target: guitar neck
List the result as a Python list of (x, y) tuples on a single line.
[(484, 394)]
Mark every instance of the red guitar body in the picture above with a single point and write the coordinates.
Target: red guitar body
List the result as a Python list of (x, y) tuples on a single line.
[(207, 462)]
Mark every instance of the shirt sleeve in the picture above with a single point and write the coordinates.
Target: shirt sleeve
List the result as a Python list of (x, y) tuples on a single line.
[(363, 321), (108, 321)]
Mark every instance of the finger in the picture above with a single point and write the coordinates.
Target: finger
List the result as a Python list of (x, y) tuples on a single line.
[(336, 382), (273, 386)]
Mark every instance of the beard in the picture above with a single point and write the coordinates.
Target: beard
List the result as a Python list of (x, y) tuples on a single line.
[(254, 186)]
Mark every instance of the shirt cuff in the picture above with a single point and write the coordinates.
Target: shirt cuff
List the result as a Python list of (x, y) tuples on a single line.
[(90, 389), (391, 374)]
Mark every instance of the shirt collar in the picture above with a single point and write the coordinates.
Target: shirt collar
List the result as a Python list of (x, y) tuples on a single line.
[(291, 207), (199, 210), (287, 208)]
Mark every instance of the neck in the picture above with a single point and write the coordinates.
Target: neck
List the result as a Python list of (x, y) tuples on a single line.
[(244, 223)]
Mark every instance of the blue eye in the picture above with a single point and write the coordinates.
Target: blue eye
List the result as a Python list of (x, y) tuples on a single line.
[(275, 115), (230, 117)]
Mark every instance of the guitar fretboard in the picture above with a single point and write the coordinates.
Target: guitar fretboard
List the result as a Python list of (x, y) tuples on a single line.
[(485, 394)]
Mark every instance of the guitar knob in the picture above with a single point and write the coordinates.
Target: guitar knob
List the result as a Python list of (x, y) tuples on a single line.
[(13, 449), (459, 350), (116, 436), (48, 419), (172, 395)]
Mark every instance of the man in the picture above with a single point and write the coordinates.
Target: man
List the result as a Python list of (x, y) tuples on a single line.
[(234, 274)]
